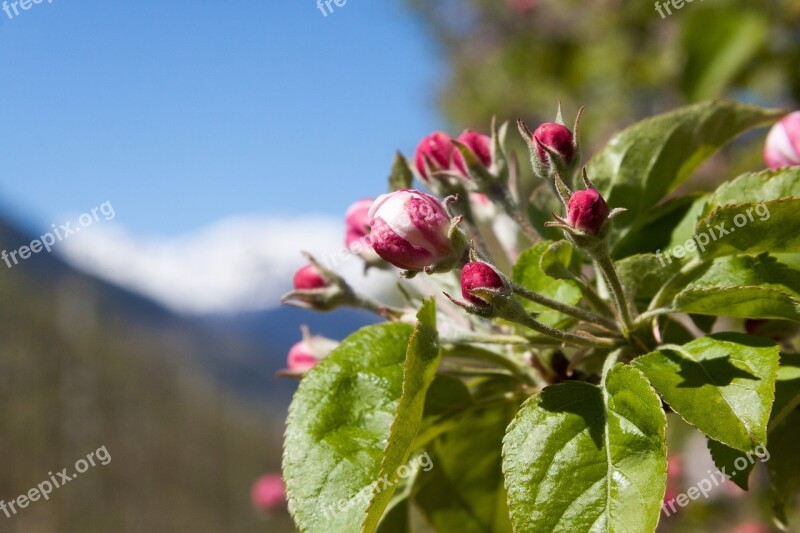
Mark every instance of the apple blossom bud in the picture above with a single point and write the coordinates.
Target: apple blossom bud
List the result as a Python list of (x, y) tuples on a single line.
[(411, 230), (782, 148), (434, 153), (587, 211), (479, 144), (478, 276), (309, 278), (356, 221), (268, 492), (556, 138), (300, 358)]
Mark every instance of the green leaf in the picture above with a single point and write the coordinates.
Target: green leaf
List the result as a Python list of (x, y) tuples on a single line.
[(579, 457), (756, 187), (728, 462), (743, 287), (750, 228), (338, 424), (783, 466), (343, 422), (422, 360), (559, 260), (464, 490), (401, 176), (663, 227), (723, 384), (643, 275), (787, 389), (651, 158), (528, 273), (787, 398)]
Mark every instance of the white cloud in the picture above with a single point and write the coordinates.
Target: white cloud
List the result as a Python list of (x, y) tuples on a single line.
[(237, 264)]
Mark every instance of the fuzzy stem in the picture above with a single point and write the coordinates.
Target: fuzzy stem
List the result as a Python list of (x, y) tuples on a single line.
[(615, 288), (566, 336), (571, 310)]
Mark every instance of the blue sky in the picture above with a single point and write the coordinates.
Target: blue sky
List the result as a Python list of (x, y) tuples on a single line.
[(183, 113)]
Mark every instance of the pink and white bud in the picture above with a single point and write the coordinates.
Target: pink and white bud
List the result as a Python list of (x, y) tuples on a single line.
[(356, 238), (268, 493), (301, 358), (782, 148), (556, 138), (481, 147), (434, 153), (410, 229), (587, 211), (309, 278), (478, 276)]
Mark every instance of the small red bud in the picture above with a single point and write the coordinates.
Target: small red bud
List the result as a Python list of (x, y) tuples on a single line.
[(434, 153), (478, 276), (309, 278), (587, 210), (301, 358), (557, 138), (479, 144)]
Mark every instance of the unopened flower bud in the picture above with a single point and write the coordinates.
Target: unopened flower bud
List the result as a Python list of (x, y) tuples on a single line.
[(481, 147), (309, 278), (478, 276), (305, 355), (557, 139), (300, 358), (356, 222), (268, 493), (782, 148), (434, 154), (412, 230), (587, 211)]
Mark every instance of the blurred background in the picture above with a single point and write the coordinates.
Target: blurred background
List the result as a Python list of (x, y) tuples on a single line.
[(222, 139)]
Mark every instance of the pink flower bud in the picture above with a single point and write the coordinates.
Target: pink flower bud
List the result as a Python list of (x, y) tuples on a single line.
[(782, 148), (587, 210), (356, 238), (268, 492), (479, 144), (434, 153), (478, 276), (557, 138), (409, 229), (309, 278), (301, 358)]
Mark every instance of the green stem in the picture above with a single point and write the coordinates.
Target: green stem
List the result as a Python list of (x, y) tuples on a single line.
[(571, 310), (615, 288), (649, 315), (566, 336), (485, 339)]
